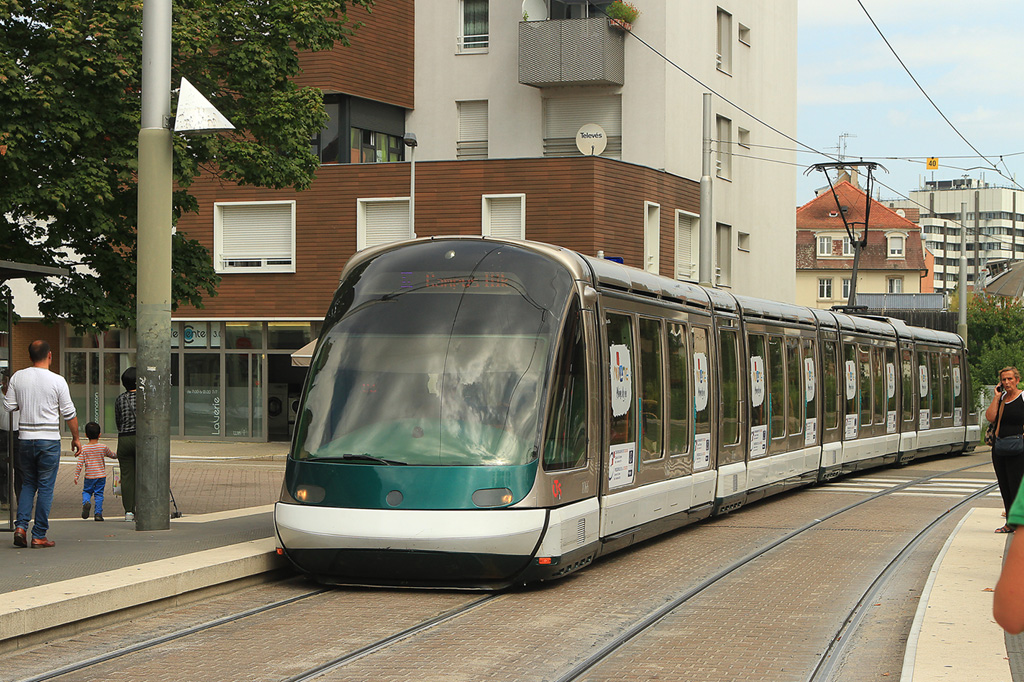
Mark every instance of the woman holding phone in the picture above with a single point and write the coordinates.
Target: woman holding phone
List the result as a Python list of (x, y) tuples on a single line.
[(1007, 411)]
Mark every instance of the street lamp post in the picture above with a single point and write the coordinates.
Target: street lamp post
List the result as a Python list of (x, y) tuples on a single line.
[(410, 141)]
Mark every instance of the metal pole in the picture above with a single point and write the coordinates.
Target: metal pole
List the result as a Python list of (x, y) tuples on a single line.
[(153, 321), (412, 191), (707, 225), (961, 328), (852, 301)]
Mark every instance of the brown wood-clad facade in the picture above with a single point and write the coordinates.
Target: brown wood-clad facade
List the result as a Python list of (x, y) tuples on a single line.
[(378, 63), (589, 204)]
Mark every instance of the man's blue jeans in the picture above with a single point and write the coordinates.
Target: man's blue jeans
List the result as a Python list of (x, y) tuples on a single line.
[(39, 462)]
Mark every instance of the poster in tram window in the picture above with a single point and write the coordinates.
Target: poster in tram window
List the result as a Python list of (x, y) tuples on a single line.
[(923, 371), (810, 381), (701, 451), (756, 381), (852, 424), (811, 431), (621, 465), (890, 422), (851, 379), (700, 382), (958, 416), (956, 381), (622, 379), (758, 440), (925, 422), (890, 380)]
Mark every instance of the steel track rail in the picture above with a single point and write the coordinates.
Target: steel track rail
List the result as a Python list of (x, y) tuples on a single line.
[(654, 618), (170, 637), (833, 652)]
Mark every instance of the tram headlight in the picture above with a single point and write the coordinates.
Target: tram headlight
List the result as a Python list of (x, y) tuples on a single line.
[(492, 497), (310, 494)]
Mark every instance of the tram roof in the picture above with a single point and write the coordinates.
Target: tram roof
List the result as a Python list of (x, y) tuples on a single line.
[(774, 310), (857, 323), (642, 283)]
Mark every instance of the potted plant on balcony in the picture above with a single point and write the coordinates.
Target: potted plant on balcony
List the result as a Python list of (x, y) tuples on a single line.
[(622, 14)]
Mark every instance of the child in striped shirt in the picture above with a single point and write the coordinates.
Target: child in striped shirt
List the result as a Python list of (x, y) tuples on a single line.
[(91, 457)]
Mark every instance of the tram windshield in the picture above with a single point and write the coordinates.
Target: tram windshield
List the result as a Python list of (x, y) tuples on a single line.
[(435, 354)]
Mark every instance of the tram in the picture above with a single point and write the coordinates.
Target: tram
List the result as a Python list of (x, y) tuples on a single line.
[(481, 413)]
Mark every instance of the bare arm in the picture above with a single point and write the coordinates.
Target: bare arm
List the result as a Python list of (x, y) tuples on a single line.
[(1008, 605), (76, 444), (993, 407)]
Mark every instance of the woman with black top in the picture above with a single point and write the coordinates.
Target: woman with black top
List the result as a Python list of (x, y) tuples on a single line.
[(1007, 411)]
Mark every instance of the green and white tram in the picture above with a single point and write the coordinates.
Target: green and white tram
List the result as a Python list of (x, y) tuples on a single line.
[(481, 413)]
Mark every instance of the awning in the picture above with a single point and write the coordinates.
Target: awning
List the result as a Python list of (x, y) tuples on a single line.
[(303, 356)]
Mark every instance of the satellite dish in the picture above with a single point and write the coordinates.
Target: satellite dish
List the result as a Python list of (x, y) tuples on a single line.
[(196, 114), (591, 139)]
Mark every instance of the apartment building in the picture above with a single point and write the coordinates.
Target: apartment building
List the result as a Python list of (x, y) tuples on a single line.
[(995, 225), (495, 94)]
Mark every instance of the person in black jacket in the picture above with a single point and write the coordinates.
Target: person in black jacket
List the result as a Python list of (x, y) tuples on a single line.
[(124, 417), (1007, 411)]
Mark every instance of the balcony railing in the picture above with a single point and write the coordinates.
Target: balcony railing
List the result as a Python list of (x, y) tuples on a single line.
[(571, 52)]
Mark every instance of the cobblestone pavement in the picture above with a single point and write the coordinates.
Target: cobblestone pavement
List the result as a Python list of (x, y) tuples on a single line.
[(769, 622)]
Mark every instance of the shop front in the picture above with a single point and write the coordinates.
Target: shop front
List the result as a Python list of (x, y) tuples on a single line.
[(230, 380)]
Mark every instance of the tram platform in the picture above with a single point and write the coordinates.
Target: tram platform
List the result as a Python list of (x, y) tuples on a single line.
[(226, 493)]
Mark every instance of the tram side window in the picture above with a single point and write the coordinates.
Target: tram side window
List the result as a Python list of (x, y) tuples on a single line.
[(864, 359), (907, 376), (937, 388), (794, 387), (890, 400), (808, 373), (728, 353), (758, 387), (777, 390), (849, 381), (679, 391), (947, 387), (620, 342), (651, 399), (924, 385), (566, 443), (878, 381), (830, 384), (958, 381), (702, 402)]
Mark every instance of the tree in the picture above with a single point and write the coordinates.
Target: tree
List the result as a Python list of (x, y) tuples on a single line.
[(994, 325), (70, 89)]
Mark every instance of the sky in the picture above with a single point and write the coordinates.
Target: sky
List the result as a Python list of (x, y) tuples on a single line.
[(968, 57)]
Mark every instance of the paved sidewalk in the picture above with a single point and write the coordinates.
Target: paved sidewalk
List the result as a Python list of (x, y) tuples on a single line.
[(225, 492)]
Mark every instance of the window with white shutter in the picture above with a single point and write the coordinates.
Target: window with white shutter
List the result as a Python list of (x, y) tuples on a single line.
[(381, 221), (504, 216), (564, 116), (254, 236), (686, 237), (472, 142)]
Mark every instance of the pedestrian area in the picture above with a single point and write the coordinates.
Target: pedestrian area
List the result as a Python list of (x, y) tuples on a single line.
[(226, 492)]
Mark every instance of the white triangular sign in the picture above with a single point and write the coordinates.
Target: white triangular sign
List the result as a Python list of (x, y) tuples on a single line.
[(196, 114)]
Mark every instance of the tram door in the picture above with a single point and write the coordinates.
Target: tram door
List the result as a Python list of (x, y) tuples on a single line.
[(705, 395)]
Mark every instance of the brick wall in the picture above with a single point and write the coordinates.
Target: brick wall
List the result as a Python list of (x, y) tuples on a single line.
[(584, 203), (27, 332)]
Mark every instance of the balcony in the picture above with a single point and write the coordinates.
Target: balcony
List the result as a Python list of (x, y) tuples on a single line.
[(571, 52)]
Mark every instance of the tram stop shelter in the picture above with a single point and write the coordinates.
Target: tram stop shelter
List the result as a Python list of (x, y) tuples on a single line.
[(11, 270)]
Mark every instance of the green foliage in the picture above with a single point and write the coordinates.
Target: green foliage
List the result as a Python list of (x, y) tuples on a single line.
[(994, 325), (70, 108)]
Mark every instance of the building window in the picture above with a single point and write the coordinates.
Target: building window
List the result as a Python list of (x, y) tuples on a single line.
[(743, 137), (846, 288), (895, 285), (472, 142), (652, 237), (359, 131), (570, 9), (847, 247), (473, 35), (254, 236), (724, 159), (382, 221), (724, 56), (743, 241), (896, 246), (368, 146), (504, 216), (824, 288), (685, 237), (744, 34), (723, 243), (824, 246), (563, 117)]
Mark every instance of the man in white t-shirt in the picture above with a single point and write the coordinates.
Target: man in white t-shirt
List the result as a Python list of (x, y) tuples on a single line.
[(42, 397)]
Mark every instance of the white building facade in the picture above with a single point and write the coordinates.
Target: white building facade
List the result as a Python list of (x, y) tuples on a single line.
[(489, 85)]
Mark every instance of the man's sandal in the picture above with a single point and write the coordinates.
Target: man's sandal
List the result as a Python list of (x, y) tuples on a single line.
[(1006, 529)]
